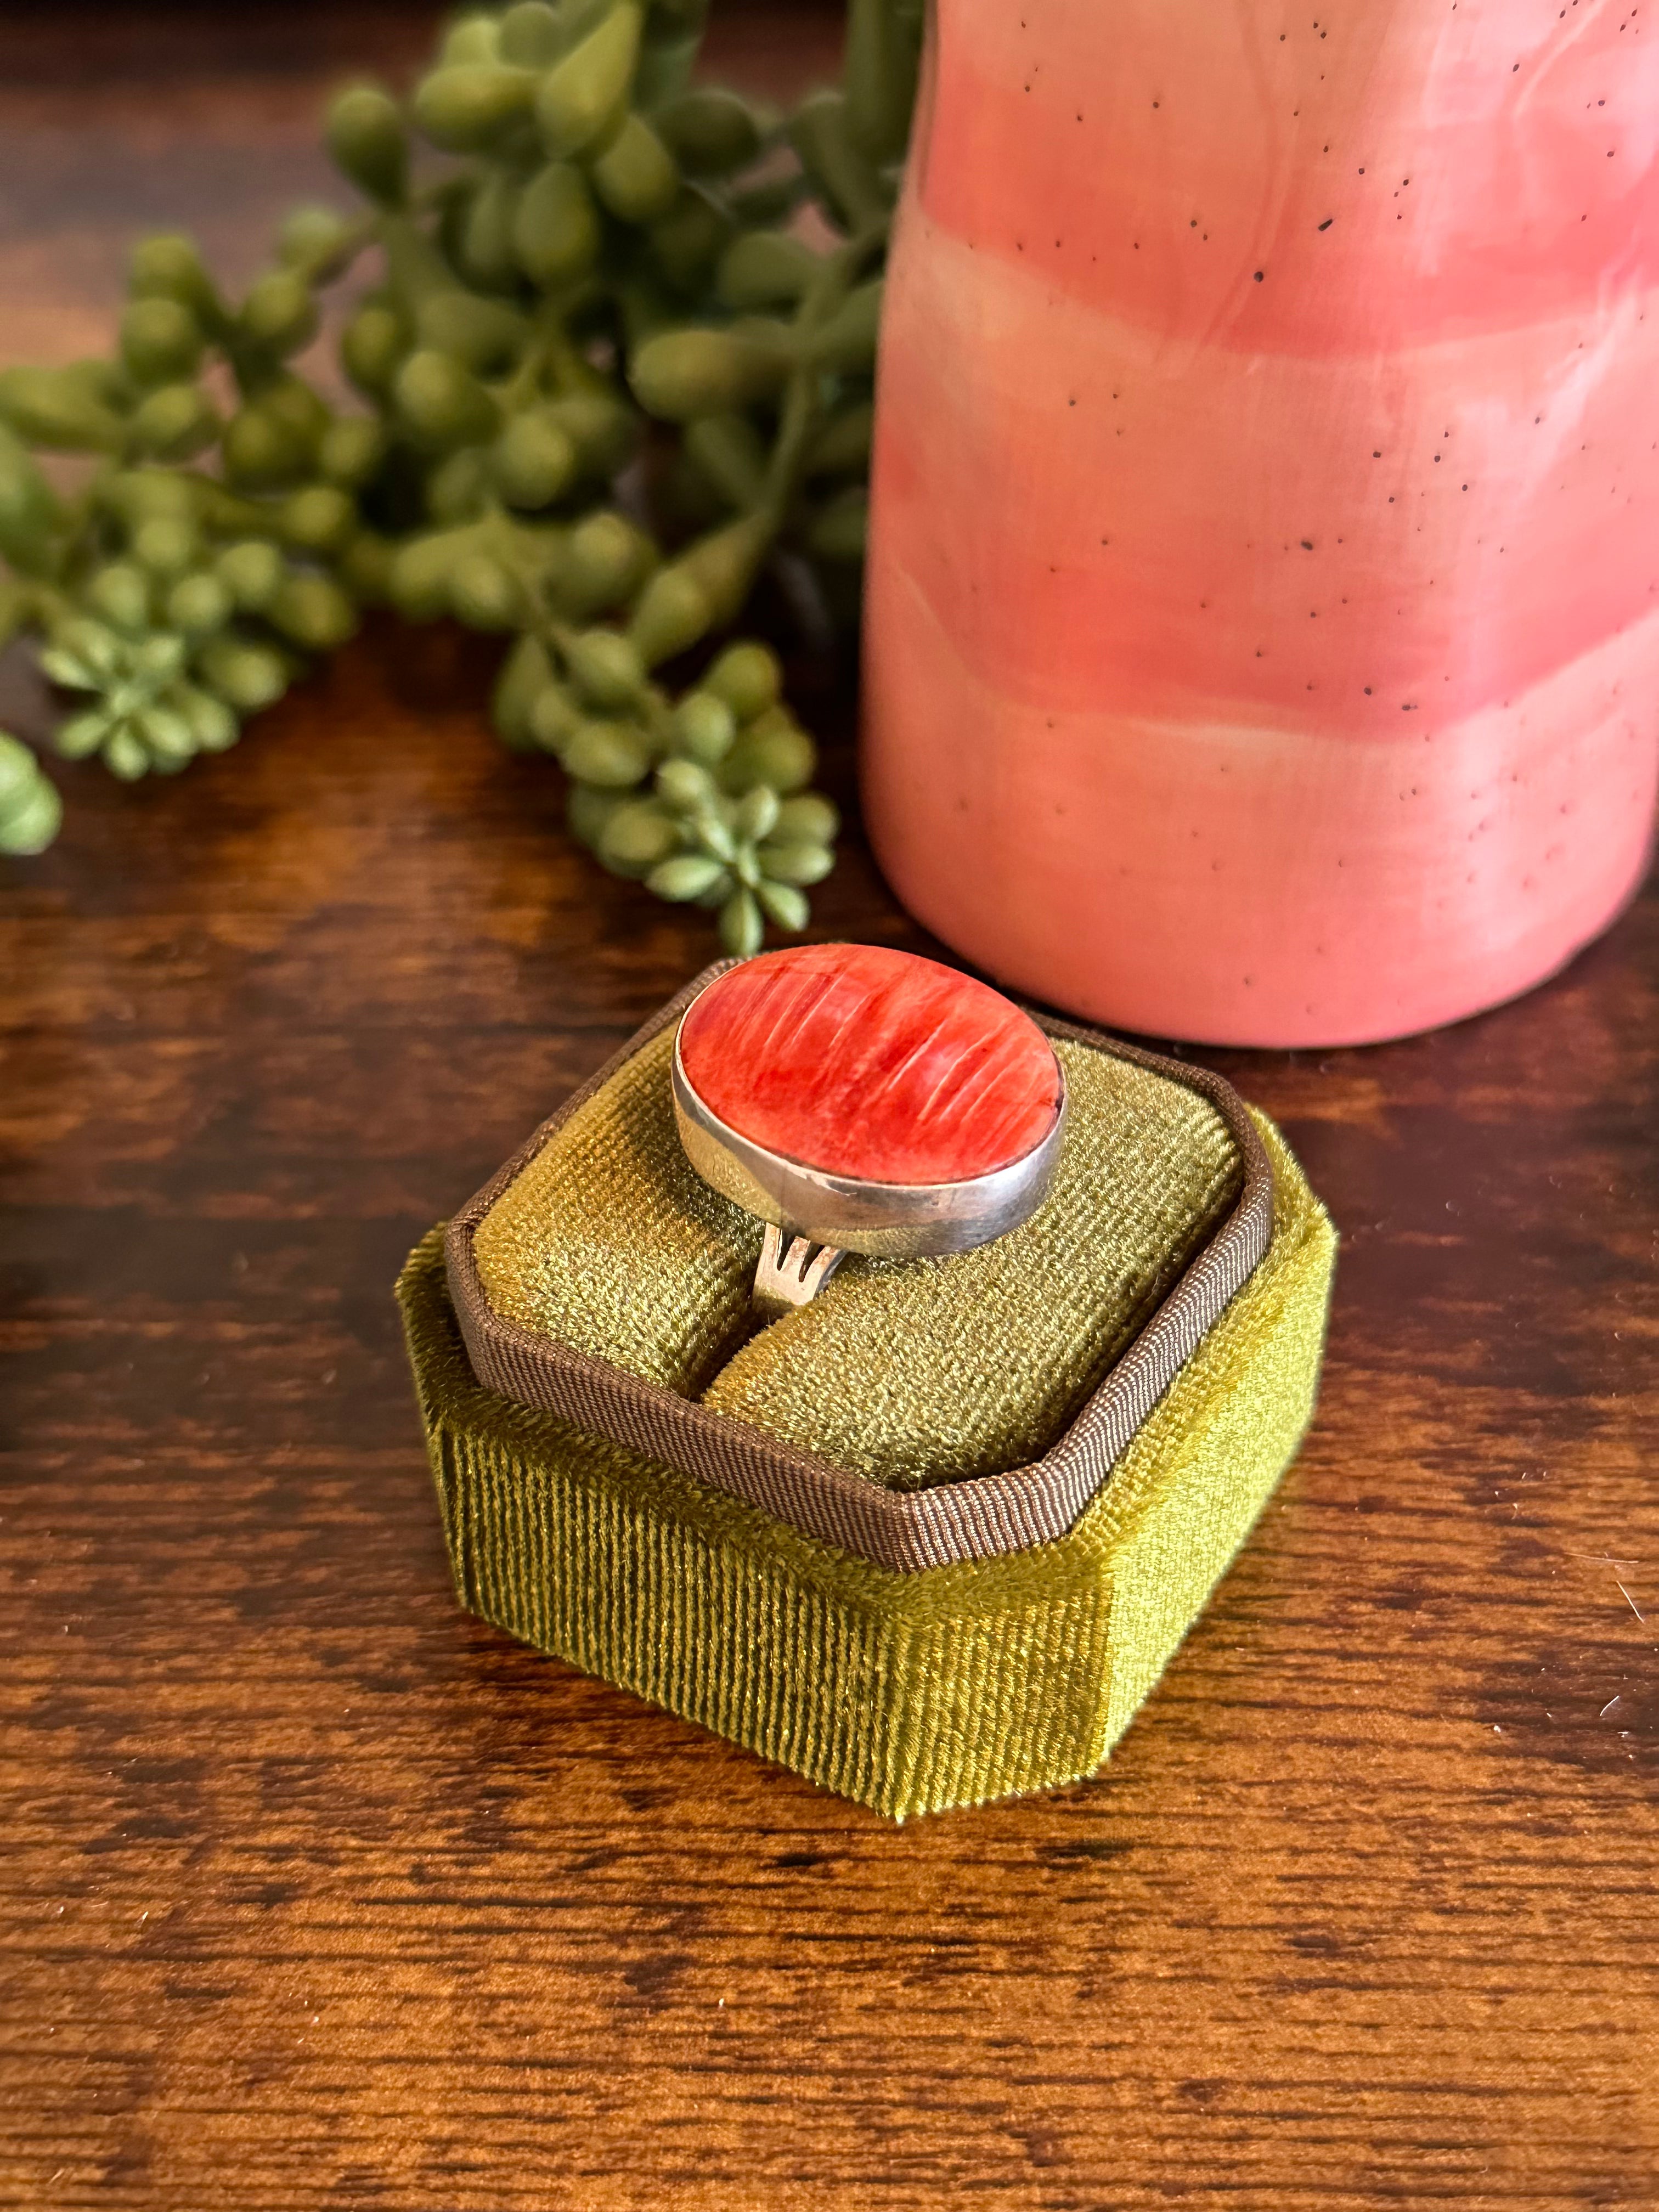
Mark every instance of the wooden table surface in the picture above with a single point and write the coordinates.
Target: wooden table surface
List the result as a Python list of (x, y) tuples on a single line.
[(315, 1892)]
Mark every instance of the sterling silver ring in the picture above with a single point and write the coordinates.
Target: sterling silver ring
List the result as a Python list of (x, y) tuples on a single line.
[(793, 1071)]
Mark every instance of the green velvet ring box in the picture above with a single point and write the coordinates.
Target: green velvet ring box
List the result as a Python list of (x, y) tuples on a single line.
[(929, 1541)]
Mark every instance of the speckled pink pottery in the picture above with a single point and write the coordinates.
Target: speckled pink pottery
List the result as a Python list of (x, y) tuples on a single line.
[(1263, 600)]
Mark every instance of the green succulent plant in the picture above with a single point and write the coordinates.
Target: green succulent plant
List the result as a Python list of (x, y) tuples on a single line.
[(606, 376)]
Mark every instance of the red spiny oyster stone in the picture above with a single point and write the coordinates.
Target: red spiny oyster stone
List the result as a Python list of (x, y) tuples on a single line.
[(857, 1060)]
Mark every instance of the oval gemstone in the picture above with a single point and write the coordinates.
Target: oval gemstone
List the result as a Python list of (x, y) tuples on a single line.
[(858, 1060)]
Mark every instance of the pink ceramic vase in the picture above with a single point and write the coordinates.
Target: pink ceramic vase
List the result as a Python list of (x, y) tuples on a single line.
[(1263, 599)]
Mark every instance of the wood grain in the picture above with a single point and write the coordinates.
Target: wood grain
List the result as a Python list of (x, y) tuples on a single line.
[(316, 1893)]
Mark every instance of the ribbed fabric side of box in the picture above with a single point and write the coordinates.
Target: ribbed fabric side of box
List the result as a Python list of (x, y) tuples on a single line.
[(907, 1692)]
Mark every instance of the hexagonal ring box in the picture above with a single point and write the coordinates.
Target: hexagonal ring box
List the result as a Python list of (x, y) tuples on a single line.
[(930, 1539)]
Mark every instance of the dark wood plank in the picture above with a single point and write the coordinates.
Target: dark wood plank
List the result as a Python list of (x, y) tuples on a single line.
[(317, 1893)]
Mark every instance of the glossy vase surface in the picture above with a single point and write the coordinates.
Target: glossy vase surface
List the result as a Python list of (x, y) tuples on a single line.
[(1262, 615)]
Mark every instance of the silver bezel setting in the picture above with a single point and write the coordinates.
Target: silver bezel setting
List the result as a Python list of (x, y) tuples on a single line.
[(882, 1221)]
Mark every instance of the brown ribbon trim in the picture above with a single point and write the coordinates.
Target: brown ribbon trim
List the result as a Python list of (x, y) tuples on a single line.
[(981, 1518)]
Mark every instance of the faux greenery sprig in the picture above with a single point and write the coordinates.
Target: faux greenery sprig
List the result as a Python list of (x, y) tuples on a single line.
[(607, 377)]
